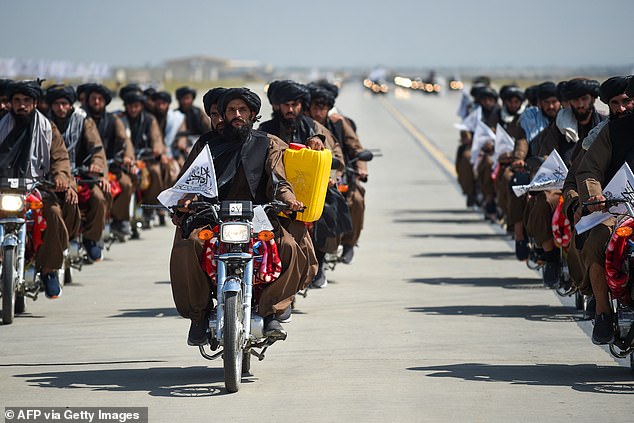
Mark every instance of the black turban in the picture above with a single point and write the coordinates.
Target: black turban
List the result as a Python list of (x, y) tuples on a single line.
[(561, 86), (245, 94), (612, 87), (531, 94), (60, 91), (183, 91), (128, 89), (149, 92), (100, 89), (546, 90), (4, 86), (133, 97), (211, 97), (81, 88), (284, 91), (630, 86), (328, 86), (321, 95), (509, 91), (162, 96), (28, 88), (476, 89), (487, 92), (578, 87)]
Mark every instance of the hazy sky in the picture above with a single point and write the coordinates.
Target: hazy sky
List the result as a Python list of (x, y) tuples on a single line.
[(392, 33)]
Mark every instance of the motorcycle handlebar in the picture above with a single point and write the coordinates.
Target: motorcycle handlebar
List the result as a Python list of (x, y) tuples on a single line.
[(608, 202)]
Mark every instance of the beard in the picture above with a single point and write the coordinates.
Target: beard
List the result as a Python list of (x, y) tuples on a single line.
[(290, 123), (93, 112), (240, 134), (22, 119), (582, 115)]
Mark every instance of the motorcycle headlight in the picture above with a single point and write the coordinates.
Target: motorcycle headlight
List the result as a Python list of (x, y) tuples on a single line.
[(11, 202), (235, 233)]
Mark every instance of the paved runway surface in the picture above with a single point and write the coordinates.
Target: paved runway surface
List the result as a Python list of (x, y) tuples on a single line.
[(434, 321)]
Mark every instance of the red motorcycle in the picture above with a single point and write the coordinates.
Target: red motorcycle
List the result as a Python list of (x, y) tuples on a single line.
[(21, 230), (619, 260)]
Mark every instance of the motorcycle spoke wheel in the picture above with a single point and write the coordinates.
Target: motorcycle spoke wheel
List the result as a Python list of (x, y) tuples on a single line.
[(232, 341), (8, 285)]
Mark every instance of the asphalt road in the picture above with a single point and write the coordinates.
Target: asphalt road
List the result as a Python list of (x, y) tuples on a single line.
[(434, 321)]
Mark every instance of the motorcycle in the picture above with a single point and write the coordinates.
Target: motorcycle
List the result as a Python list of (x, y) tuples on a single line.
[(21, 227), (141, 217), (236, 229), (348, 183), (620, 278), (76, 255), (115, 167)]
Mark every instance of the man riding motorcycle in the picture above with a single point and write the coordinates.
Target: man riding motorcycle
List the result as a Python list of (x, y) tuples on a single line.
[(118, 147), (32, 147), (81, 136), (248, 166)]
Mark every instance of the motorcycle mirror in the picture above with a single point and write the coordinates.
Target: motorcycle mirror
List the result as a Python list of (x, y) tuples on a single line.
[(365, 156)]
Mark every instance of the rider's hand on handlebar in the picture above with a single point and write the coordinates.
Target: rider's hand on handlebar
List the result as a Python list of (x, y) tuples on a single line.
[(95, 169), (184, 202), (61, 184), (71, 197), (596, 207), (296, 205), (104, 184)]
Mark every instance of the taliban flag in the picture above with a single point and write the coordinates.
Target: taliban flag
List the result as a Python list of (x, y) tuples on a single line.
[(504, 143), (550, 175), (481, 136), (200, 178), (470, 122), (621, 186)]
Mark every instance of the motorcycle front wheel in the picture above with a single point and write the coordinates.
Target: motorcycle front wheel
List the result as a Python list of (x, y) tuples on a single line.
[(232, 341), (8, 285)]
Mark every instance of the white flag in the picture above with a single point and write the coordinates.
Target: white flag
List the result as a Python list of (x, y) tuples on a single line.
[(504, 143), (470, 121), (481, 136), (463, 107), (199, 179), (621, 186), (551, 175)]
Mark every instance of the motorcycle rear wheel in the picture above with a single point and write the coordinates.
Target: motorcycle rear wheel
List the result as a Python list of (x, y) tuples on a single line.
[(8, 285), (232, 341)]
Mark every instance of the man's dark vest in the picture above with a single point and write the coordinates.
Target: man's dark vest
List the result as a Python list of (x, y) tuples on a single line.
[(193, 121), (107, 134), (253, 159), (139, 134)]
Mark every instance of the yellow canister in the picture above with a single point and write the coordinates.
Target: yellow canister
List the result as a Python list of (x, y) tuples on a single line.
[(308, 172)]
